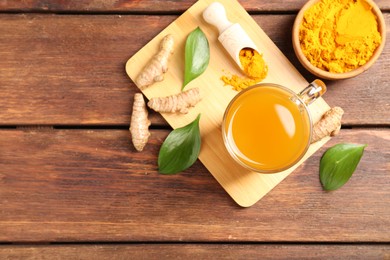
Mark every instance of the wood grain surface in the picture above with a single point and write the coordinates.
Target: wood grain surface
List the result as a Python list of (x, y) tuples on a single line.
[(69, 175), (197, 251), (148, 6), (69, 70), (84, 185)]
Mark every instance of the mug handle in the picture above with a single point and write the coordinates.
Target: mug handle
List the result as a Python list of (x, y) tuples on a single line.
[(315, 90)]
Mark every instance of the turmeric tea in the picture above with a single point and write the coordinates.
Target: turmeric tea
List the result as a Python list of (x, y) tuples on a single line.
[(339, 35), (265, 130), (254, 68)]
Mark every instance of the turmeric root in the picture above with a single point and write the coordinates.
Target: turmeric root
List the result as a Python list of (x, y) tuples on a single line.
[(176, 103), (139, 123), (329, 124), (158, 65)]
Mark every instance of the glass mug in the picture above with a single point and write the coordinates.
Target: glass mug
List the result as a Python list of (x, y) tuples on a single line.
[(267, 128)]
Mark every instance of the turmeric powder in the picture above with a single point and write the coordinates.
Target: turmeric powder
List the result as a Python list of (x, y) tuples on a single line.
[(254, 68), (339, 35), (253, 64)]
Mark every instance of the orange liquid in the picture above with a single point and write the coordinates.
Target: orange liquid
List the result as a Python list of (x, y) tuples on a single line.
[(266, 130)]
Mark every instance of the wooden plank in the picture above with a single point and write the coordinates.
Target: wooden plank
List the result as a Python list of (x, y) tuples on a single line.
[(69, 70), (79, 185), (73, 64), (197, 251), (146, 5)]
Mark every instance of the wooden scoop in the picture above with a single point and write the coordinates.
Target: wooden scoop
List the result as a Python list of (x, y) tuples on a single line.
[(231, 35)]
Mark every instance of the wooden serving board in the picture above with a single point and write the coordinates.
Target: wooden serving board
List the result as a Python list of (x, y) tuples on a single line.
[(244, 186)]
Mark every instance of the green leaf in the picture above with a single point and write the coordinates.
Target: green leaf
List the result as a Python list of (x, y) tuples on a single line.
[(180, 149), (338, 164), (197, 55)]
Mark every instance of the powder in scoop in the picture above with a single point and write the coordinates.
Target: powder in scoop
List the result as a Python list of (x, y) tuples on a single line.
[(254, 68)]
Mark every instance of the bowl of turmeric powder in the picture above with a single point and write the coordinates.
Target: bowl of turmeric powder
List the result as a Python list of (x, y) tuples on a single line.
[(338, 39)]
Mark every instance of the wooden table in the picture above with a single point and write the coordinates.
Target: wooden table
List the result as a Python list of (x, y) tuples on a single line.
[(72, 185)]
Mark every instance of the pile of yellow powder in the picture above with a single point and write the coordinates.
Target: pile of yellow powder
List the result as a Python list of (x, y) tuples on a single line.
[(339, 35), (254, 68)]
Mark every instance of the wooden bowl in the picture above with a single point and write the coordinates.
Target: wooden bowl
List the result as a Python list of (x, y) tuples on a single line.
[(331, 75)]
